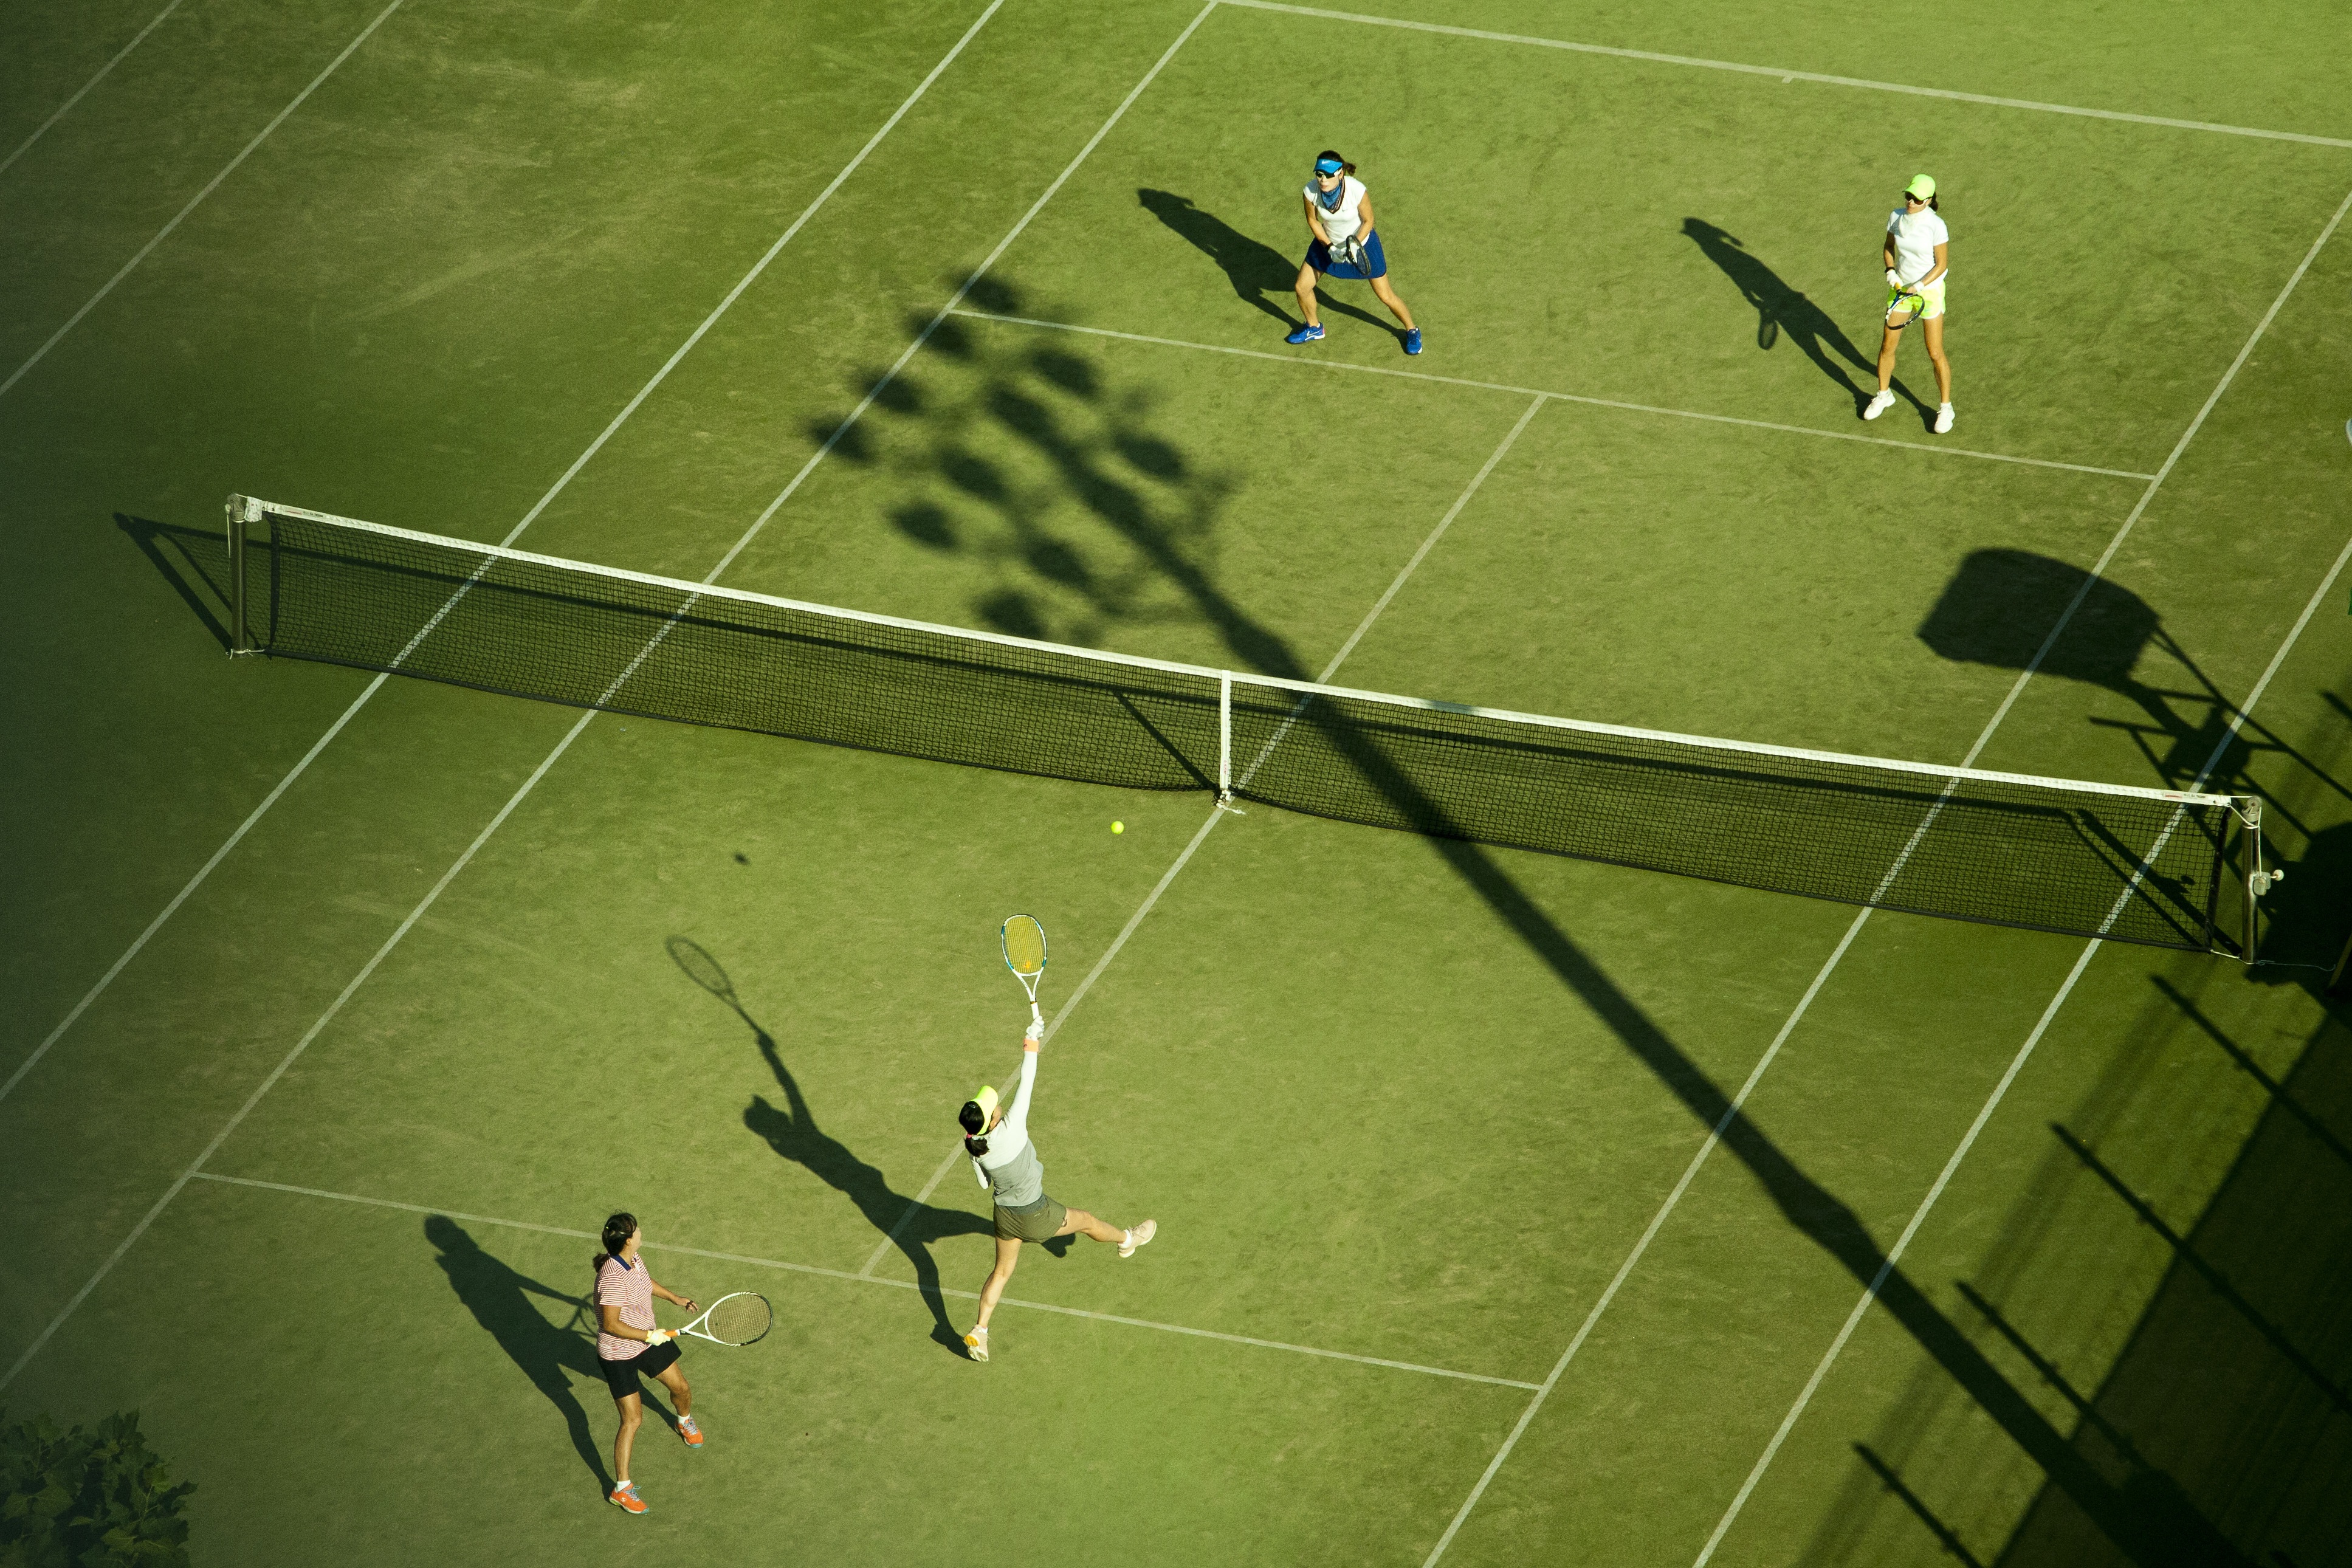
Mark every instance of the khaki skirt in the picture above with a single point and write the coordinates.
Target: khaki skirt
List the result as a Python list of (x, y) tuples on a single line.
[(1038, 1222)]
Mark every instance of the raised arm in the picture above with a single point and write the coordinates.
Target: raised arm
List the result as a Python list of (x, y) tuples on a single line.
[(1017, 1120)]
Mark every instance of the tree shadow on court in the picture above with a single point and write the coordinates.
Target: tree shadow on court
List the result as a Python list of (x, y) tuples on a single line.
[(2145, 1516), (1260, 274), (499, 1297), (792, 1131), (1781, 308)]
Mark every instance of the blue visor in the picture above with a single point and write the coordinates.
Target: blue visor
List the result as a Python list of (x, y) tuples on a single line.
[(1328, 166)]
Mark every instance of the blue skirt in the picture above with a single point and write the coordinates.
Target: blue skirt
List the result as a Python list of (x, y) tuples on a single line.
[(1319, 257)]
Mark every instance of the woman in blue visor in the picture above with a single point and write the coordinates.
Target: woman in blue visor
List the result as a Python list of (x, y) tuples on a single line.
[(1346, 245)]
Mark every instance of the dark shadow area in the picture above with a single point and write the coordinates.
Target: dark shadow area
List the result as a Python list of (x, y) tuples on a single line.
[(1780, 307), (193, 560), (499, 1298), (792, 1131), (1255, 269), (2232, 1386), (2151, 1524), (1893, 1482)]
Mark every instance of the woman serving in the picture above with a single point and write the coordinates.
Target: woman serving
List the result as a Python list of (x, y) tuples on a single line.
[(1005, 1161), (1918, 253), (1340, 216)]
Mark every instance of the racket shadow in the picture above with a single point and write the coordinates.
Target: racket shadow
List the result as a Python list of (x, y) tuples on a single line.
[(499, 1297), (791, 1129)]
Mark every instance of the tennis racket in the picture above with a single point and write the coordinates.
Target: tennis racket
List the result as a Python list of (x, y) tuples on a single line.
[(1024, 942), (741, 1318), (1905, 305)]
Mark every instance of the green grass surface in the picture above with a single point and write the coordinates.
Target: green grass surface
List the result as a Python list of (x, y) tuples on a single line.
[(1410, 1104)]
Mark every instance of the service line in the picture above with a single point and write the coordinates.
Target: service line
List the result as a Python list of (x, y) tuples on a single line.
[(864, 1278), (1319, 363)]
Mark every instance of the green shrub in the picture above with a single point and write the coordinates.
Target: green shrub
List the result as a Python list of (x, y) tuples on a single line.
[(88, 1500)]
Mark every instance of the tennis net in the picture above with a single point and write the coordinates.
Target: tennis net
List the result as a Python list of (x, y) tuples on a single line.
[(2130, 864)]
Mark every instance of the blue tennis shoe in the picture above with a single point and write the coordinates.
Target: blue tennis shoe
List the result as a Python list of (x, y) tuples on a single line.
[(1413, 341), (1304, 335)]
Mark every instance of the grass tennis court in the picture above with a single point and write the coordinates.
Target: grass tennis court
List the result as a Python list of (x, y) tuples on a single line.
[(1513, 1207)]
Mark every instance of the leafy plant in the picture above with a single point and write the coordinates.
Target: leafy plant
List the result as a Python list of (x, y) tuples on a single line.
[(88, 1500)]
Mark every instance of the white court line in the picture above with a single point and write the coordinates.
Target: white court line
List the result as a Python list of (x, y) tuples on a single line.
[(67, 107), (196, 1166), (862, 1279), (193, 202), (1943, 1178), (1673, 1197), (1315, 363), (1219, 813), (1787, 75), (553, 491)]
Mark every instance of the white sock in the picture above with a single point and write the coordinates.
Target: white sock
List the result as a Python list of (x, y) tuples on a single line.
[(1127, 1239)]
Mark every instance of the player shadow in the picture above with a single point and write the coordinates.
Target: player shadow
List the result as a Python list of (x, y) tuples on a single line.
[(1781, 308), (1260, 274), (499, 1297), (792, 1131)]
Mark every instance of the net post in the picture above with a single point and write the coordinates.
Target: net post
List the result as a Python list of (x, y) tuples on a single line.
[(2253, 817), (241, 510), (1224, 737)]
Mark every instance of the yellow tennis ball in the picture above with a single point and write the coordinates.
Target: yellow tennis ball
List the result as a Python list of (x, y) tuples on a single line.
[(1118, 827)]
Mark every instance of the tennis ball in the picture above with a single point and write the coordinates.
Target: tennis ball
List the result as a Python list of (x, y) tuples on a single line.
[(1118, 827)]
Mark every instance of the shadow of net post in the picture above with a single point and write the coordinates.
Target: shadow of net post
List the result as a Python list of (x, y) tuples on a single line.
[(791, 1129), (499, 1298), (192, 562)]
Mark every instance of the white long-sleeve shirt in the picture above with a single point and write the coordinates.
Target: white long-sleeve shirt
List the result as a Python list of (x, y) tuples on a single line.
[(1011, 1164)]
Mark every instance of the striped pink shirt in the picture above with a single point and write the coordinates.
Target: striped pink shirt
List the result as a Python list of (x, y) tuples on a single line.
[(631, 1289)]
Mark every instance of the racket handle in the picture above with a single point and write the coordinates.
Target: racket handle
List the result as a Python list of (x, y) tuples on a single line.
[(1036, 1017)]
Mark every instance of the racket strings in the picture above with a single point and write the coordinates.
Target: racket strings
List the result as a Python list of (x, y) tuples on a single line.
[(740, 1319)]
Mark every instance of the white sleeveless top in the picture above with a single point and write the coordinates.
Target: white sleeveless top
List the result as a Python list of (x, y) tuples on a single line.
[(1344, 222)]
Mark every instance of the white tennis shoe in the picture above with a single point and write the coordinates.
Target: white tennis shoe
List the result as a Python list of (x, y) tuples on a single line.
[(1138, 1237), (1878, 405), (975, 1344), (1944, 420)]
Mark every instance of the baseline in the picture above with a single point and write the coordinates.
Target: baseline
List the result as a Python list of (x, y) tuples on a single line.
[(1787, 75), (863, 1279), (67, 107), (1554, 396), (513, 533), (1985, 737)]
